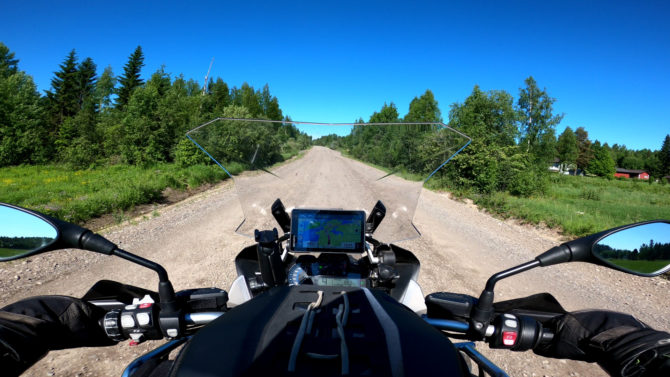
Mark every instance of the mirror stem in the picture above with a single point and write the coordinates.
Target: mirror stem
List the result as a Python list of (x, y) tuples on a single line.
[(482, 313), (162, 274), (490, 284), (165, 289)]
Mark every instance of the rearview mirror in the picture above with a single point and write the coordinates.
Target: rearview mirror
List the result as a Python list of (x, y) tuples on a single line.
[(642, 249), (23, 233)]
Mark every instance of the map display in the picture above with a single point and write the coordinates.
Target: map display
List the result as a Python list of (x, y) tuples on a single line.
[(328, 230)]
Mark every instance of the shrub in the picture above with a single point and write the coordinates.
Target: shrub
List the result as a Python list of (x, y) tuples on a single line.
[(187, 154)]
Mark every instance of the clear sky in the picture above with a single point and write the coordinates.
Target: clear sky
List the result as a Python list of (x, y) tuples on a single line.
[(15, 223), (633, 238), (606, 62)]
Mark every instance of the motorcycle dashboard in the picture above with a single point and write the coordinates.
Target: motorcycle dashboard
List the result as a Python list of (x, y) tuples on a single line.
[(315, 230)]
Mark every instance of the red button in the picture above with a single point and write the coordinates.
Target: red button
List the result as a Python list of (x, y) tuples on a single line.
[(509, 338), (145, 305)]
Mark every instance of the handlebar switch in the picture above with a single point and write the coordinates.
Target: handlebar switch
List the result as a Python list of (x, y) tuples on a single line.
[(137, 322), (516, 333), (507, 332)]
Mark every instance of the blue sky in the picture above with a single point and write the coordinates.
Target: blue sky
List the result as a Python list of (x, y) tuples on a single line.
[(15, 223), (607, 63), (633, 238)]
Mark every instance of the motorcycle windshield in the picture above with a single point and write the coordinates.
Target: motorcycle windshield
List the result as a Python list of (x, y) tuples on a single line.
[(329, 166)]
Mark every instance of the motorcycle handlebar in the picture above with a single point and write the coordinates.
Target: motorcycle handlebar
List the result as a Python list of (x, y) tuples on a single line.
[(141, 323), (517, 333)]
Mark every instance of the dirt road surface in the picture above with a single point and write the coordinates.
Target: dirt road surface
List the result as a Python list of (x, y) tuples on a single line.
[(459, 249)]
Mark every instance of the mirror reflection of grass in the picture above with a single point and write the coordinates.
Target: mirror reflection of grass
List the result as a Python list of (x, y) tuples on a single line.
[(644, 266), (10, 252)]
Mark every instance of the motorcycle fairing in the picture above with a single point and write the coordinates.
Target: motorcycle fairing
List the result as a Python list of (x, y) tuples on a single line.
[(256, 338)]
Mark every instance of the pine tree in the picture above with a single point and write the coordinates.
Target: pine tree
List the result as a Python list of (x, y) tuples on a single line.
[(63, 97), (270, 105), (585, 155), (221, 95), (665, 156), (131, 77), (86, 82), (8, 65)]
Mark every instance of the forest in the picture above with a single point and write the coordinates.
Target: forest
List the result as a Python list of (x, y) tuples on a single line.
[(89, 127), (513, 143), (88, 120)]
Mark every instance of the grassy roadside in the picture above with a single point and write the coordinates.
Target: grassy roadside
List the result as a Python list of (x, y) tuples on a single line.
[(577, 206), (80, 195), (584, 205)]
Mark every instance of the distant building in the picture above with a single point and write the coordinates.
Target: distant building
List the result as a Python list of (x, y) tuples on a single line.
[(631, 173), (562, 168)]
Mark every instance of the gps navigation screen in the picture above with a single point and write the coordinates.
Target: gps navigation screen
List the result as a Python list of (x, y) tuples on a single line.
[(321, 230)]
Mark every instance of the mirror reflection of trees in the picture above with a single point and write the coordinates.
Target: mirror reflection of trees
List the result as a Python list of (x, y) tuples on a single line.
[(647, 251), (23, 243), (647, 258), (12, 246)]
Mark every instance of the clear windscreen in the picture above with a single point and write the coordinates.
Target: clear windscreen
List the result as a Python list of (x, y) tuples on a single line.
[(329, 166)]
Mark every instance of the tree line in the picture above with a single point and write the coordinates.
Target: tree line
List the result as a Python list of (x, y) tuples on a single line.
[(513, 142), (23, 243), (86, 119), (574, 149), (651, 252)]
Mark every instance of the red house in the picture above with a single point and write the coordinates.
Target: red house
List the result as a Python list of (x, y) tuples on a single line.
[(631, 173)]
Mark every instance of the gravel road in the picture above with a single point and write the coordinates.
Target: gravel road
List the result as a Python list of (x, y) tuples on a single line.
[(460, 248)]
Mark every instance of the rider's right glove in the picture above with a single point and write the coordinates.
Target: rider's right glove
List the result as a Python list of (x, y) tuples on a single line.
[(618, 342)]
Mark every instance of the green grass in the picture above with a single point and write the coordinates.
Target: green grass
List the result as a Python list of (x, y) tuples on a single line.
[(644, 266), (10, 252), (584, 205), (577, 206), (79, 195)]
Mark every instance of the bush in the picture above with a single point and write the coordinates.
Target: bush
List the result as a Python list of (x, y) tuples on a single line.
[(187, 154), (496, 203)]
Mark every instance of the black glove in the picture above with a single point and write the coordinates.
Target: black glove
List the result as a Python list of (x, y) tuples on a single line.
[(618, 342), (32, 327)]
